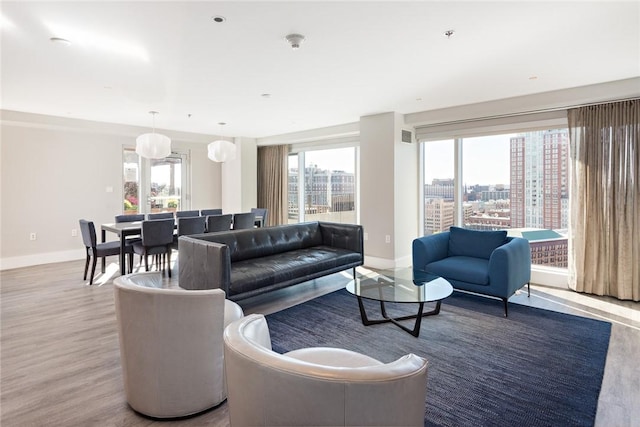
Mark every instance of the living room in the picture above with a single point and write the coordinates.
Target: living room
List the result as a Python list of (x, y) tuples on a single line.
[(63, 137)]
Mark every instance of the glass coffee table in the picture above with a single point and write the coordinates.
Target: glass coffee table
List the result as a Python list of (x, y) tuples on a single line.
[(421, 289)]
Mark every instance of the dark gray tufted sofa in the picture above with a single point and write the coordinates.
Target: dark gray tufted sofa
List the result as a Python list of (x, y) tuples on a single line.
[(245, 263)]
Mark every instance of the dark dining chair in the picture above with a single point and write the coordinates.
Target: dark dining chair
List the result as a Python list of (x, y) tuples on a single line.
[(244, 220), (262, 213), (219, 223), (157, 238), (129, 218), (189, 225), (160, 215), (207, 212), (99, 250), (185, 214)]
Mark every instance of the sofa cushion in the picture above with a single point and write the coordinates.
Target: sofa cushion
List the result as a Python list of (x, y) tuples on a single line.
[(461, 268), (256, 273), (474, 243)]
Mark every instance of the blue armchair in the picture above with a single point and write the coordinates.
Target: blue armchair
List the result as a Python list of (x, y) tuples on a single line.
[(484, 262)]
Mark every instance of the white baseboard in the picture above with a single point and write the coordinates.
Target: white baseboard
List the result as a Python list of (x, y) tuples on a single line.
[(38, 259), (387, 264), (549, 276)]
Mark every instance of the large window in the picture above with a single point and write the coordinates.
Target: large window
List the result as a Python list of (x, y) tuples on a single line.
[(325, 187), (156, 185), (517, 182)]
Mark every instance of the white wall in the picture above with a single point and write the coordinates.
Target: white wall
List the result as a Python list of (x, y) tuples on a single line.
[(56, 171), (240, 177)]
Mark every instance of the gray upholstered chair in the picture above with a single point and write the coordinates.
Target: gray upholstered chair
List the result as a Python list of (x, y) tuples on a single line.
[(244, 220), (157, 238), (188, 226), (160, 215), (171, 346), (98, 250), (185, 214), (219, 223), (317, 386), (207, 212), (129, 218), (261, 212)]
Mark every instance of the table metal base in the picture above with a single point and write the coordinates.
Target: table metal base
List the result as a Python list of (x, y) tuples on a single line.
[(396, 321)]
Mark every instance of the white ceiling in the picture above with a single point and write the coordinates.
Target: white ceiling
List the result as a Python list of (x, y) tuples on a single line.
[(359, 58)]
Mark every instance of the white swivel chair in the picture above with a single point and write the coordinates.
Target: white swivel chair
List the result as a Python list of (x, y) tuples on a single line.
[(317, 386), (171, 345)]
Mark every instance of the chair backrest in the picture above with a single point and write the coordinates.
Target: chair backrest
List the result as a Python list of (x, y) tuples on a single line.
[(185, 214), (207, 212), (129, 218), (264, 213), (191, 225), (244, 220), (88, 231), (219, 223), (171, 346), (160, 215), (157, 232), (352, 394)]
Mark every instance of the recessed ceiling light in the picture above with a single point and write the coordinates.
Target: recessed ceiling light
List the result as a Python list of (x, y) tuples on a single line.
[(60, 40), (219, 19), (265, 95)]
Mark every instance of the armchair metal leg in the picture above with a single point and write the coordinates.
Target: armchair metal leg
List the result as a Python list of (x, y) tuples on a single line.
[(528, 289), (506, 312)]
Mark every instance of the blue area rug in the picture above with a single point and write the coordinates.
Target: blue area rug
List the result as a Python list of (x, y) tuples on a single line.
[(534, 368)]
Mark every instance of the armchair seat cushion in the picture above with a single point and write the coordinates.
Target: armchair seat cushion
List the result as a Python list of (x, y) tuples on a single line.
[(462, 268)]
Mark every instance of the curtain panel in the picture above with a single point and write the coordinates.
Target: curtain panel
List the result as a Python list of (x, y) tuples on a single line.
[(604, 244), (272, 182)]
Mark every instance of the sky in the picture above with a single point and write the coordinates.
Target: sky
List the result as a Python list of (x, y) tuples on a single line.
[(486, 160)]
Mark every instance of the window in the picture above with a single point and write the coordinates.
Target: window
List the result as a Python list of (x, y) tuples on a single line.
[(325, 188), (513, 181), (154, 185)]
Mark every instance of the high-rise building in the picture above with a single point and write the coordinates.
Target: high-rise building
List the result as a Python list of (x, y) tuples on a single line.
[(539, 189)]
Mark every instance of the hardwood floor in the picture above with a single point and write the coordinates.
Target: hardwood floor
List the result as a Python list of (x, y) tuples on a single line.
[(60, 362)]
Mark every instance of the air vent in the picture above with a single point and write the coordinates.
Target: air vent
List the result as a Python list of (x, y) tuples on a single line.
[(407, 136)]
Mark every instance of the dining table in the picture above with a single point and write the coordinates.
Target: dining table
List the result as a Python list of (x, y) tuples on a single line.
[(126, 229), (123, 230)]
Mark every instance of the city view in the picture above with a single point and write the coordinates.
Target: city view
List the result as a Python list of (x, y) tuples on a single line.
[(530, 201), (515, 182)]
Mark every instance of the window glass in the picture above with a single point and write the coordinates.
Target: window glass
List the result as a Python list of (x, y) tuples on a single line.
[(517, 182), (328, 185)]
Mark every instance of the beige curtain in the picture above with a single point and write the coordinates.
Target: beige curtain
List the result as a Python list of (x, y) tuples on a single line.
[(272, 182), (604, 248)]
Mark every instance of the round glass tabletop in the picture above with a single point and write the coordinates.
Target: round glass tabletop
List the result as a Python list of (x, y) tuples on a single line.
[(423, 287)]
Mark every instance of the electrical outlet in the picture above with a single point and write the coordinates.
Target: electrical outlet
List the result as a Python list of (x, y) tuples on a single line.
[(387, 239), (33, 236), (74, 232), (365, 236)]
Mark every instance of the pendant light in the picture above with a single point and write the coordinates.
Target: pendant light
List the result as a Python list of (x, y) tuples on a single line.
[(220, 150), (153, 145)]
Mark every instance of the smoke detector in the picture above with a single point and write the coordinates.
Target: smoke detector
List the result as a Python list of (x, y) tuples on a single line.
[(295, 40)]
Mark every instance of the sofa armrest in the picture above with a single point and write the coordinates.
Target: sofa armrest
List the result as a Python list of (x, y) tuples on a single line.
[(343, 236), (510, 266), (428, 249), (204, 264)]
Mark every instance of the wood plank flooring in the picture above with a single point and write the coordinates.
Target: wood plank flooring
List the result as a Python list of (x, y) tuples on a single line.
[(60, 362)]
